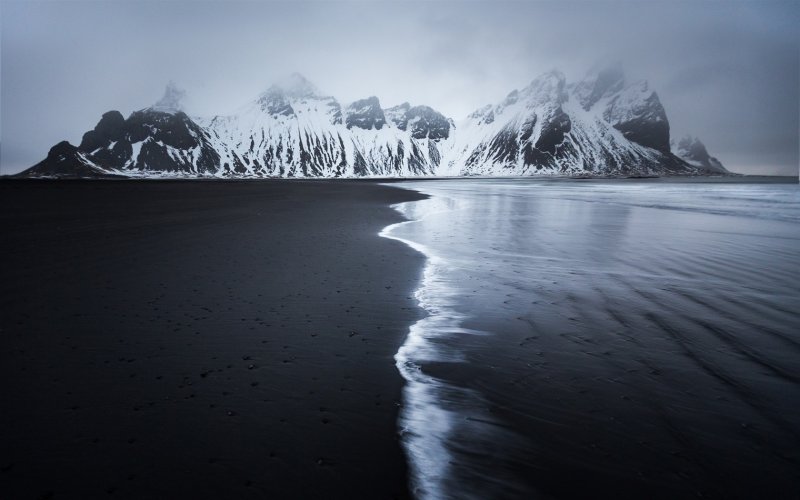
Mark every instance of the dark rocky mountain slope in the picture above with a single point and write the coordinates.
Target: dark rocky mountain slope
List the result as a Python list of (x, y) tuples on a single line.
[(602, 125)]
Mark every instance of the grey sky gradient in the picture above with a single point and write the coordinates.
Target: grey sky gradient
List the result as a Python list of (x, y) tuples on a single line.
[(728, 72)]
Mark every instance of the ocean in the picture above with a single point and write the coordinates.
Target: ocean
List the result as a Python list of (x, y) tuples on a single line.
[(585, 338)]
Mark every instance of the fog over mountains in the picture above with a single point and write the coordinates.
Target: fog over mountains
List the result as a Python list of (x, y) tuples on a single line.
[(724, 71), (602, 125)]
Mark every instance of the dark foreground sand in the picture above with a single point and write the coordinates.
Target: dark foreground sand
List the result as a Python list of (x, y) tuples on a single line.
[(201, 339)]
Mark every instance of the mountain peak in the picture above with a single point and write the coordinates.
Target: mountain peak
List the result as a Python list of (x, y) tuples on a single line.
[(688, 141), (365, 114), (548, 78), (296, 86), (548, 86), (553, 74), (600, 81), (172, 101), (693, 151), (610, 71), (397, 115)]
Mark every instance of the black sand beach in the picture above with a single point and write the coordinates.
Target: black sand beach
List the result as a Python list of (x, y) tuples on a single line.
[(616, 339), (202, 339)]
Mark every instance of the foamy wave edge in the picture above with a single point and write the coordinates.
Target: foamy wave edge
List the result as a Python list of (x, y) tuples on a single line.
[(424, 424)]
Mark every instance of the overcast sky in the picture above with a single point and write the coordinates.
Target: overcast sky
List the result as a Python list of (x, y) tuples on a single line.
[(725, 71)]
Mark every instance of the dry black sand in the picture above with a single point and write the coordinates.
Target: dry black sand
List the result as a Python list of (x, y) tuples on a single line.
[(201, 339)]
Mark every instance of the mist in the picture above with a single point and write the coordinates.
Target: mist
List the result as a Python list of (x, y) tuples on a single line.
[(727, 72)]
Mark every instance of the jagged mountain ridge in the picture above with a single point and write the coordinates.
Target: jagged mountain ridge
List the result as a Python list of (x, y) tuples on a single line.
[(693, 151), (602, 125), (292, 130)]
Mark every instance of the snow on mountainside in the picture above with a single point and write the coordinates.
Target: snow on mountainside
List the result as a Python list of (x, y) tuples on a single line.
[(65, 161), (601, 125), (694, 152), (292, 130), (148, 143)]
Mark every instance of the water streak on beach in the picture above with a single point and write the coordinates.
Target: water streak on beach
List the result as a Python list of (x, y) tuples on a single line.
[(628, 336)]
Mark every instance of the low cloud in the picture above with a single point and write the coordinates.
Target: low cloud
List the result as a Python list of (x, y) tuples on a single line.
[(726, 71)]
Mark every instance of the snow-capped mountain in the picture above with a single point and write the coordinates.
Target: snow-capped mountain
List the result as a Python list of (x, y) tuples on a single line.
[(694, 152), (293, 130), (602, 125), (158, 140)]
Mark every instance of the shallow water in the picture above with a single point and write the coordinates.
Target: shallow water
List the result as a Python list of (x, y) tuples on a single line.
[(628, 337)]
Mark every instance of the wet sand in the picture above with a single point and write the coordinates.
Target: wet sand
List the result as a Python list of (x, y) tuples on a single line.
[(605, 340), (202, 339)]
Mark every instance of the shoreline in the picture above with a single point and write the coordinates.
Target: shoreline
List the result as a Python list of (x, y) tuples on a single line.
[(579, 358), (165, 341), (730, 178), (423, 441), (440, 421)]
